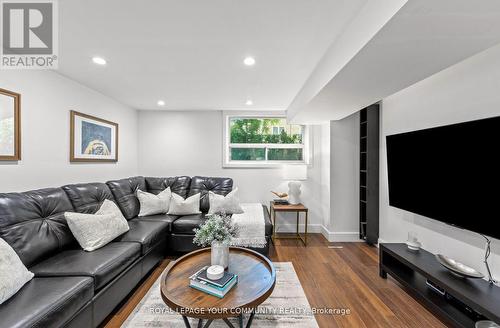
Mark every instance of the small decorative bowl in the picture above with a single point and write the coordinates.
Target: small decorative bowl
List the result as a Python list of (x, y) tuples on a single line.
[(458, 268), (486, 324)]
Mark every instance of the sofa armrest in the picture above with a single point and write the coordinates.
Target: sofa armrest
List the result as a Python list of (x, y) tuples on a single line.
[(267, 219)]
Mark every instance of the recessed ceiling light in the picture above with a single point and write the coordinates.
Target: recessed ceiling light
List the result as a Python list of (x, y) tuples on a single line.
[(249, 102), (161, 103), (99, 60), (249, 61)]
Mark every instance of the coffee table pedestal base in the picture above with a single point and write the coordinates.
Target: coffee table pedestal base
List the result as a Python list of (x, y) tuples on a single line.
[(228, 323)]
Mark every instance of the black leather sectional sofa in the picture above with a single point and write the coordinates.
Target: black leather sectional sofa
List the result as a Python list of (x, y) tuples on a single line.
[(74, 288)]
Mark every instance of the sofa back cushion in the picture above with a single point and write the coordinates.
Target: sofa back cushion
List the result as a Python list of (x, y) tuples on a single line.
[(88, 197), (203, 185), (178, 185), (124, 192), (33, 223)]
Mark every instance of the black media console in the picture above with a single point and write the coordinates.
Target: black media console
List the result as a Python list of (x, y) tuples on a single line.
[(457, 300)]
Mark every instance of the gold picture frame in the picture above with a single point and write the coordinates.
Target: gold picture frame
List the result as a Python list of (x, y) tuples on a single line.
[(92, 139), (10, 125)]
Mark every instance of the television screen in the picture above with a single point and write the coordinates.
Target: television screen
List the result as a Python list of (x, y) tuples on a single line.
[(449, 173)]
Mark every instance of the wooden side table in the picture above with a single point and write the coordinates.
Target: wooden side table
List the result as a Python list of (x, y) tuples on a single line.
[(290, 208)]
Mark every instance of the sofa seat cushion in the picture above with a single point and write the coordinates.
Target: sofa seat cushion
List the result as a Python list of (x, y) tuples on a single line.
[(46, 302), (102, 264), (146, 232), (161, 217), (186, 223)]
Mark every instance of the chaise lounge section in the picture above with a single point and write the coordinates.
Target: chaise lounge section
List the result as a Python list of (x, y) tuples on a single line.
[(75, 288)]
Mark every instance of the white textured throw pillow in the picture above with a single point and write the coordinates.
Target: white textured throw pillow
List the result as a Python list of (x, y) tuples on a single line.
[(13, 273), (152, 204), (229, 204), (109, 207), (93, 231), (181, 206)]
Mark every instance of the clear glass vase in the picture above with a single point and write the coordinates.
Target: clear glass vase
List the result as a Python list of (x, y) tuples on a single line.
[(220, 254)]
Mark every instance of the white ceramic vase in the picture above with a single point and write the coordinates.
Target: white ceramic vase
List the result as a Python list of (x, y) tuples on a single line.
[(220, 254)]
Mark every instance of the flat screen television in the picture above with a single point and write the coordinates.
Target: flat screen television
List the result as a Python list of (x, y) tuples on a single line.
[(449, 173)]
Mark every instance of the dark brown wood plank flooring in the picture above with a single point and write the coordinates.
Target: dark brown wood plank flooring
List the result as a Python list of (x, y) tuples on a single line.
[(345, 278)]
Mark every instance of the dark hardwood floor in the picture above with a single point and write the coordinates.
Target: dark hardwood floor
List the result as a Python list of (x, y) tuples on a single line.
[(343, 278)]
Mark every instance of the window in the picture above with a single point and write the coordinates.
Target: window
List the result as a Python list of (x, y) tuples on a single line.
[(250, 141)]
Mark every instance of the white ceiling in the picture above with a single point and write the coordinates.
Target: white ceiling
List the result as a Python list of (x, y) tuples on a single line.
[(190, 53), (422, 38)]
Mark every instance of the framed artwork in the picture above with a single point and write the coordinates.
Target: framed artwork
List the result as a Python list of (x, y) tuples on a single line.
[(92, 139), (10, 126)]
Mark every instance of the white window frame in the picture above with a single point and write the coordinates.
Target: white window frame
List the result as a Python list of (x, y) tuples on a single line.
[(228, 163)]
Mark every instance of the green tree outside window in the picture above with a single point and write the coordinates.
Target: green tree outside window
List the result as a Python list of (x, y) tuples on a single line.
[(260, 131)]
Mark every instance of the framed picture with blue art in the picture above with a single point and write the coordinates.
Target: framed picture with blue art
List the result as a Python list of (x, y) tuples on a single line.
[(92, 139)]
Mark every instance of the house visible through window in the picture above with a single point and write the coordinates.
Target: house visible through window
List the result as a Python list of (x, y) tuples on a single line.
[(263, 140), (278, 129)]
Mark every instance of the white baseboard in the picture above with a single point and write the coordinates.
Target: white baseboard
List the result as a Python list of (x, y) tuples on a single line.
[(338, 236), (292, 228), (380, 240)]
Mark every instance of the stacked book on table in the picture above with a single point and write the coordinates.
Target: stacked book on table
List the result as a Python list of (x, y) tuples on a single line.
[(218, 287)]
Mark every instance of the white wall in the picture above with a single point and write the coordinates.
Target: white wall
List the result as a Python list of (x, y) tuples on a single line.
[(46, 100), (344, 179), (325, 179), (190, 143), (173, 143), (464, 92)]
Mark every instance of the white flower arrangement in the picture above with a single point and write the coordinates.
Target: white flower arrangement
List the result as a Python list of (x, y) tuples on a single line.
[(217, 228)]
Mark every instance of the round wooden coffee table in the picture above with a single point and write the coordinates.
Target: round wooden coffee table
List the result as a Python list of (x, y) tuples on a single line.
[(256, 280)]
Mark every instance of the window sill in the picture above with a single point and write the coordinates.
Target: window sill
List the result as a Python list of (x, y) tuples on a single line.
[(240, 165)]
